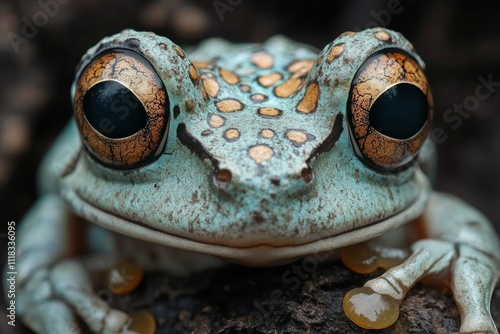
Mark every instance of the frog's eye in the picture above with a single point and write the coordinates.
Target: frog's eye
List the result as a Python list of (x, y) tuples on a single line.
[(121, 109), (389, 110)]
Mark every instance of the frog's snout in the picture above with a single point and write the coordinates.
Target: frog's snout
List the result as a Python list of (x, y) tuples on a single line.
[(263, 182)]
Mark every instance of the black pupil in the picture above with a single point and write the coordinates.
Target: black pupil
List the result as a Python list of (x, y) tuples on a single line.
[(113, 110), (400, 112)]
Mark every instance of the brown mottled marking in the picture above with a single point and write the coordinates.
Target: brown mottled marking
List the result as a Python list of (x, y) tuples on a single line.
[(269, 79), (189, 106), (245, 88), (216, 121), (229, 76), (179, 52), (260, 153), (193, 73), (262, 60), (269, 111), (310, 100), (232, 134), (296, 136), (335, 51), (229, 105), (287, 88), (383, 36), (202, 64), (258, 97), (301, 65), (210, 84), (205, 133)]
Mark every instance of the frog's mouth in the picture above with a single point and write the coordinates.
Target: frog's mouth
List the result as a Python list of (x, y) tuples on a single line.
[(259, 254)]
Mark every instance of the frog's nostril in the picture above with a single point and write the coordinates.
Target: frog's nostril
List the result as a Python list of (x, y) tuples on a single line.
[(307, 174), (222, 178)]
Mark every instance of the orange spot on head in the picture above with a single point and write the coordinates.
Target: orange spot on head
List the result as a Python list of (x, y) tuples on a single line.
[(287, 88), (269, 79), (258, 97), (297, 137), (232, 134), (301, 66), (179, 52), (347, 33), (267, 133), (262, 60), (229, 76), (260, 153), (193, 73), (383, 36), (269, 111), (335, 51), (309, 102), (202, 64), (216, 121), (229, 105), (210, 84), (245, 88)]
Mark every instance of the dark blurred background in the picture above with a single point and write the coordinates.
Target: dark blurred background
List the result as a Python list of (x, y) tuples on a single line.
[(458, 40)]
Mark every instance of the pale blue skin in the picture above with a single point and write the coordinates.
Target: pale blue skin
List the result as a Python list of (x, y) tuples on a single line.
[(173, 201)]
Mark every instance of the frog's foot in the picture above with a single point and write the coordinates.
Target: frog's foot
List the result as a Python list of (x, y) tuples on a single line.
[(473, 277), (54, 297)]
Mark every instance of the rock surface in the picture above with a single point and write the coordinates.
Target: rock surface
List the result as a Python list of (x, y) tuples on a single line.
[(296, 298)]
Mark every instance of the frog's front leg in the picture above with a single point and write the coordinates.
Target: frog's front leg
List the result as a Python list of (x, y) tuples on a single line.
[(52, 287), (460, 243)]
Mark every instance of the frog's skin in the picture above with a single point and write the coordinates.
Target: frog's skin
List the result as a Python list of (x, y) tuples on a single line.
[(262, 154)]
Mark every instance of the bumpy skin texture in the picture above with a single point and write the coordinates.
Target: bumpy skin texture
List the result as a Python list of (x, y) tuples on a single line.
[(256, 157)]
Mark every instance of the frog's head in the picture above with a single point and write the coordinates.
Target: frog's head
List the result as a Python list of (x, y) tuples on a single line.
[(257, 153)]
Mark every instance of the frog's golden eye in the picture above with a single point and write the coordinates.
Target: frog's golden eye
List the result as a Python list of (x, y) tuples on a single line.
[(389, 110), (121, 109)]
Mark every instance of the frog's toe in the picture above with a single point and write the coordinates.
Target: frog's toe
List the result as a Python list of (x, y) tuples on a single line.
[(370, 310), (474, 275), (72, 284), (388, 291), (53, 301)]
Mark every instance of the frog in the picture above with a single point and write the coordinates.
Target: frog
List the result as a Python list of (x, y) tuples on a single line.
[(257, 154)]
